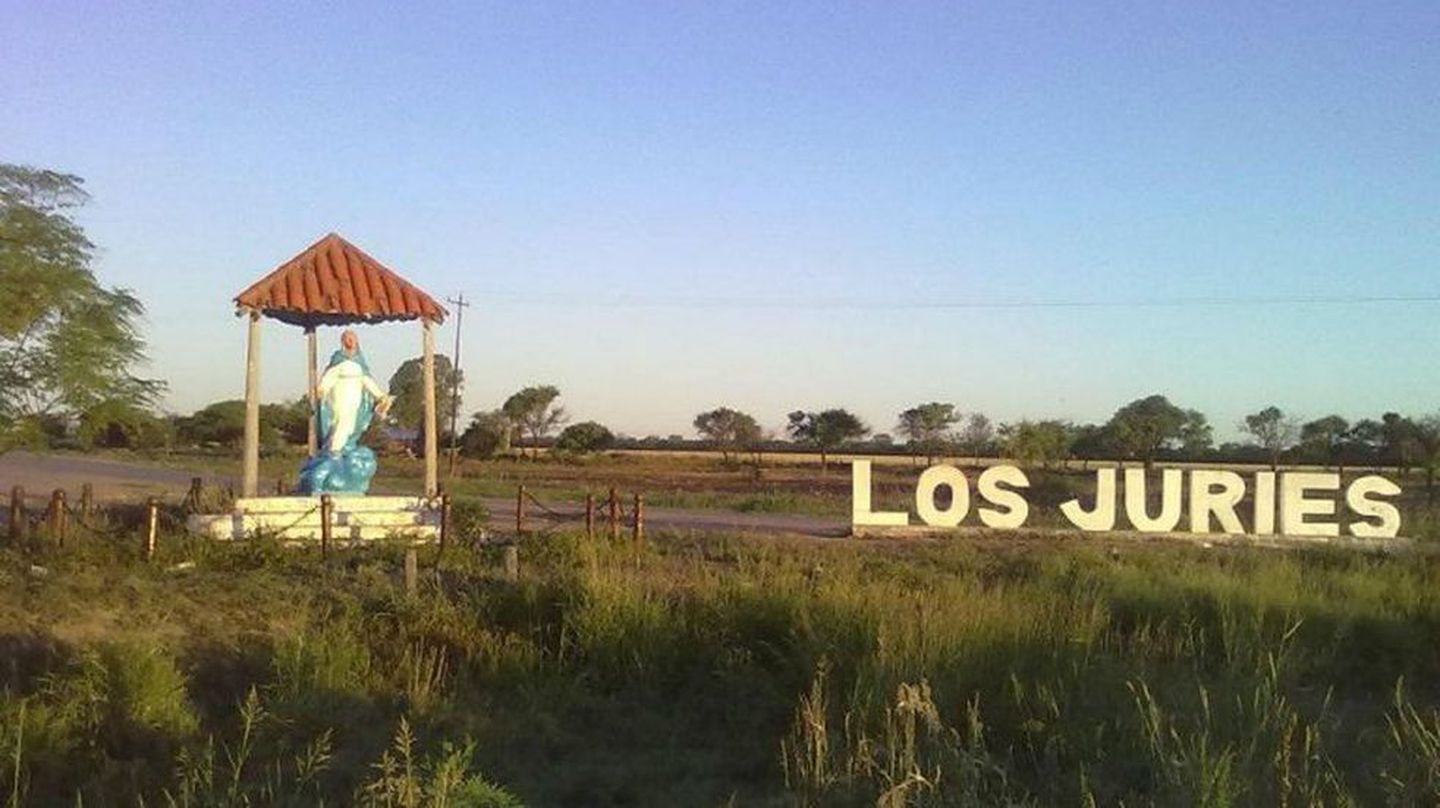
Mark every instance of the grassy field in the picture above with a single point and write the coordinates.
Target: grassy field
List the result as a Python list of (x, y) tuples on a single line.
[(717, 671)]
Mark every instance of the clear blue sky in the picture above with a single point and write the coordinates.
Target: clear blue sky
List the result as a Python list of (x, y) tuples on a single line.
[(666, 207)]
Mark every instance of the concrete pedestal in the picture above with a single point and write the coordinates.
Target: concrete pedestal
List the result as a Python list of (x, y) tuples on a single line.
[(298, 518)]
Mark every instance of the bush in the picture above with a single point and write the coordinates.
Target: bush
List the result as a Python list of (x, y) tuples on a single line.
[(585, 437)]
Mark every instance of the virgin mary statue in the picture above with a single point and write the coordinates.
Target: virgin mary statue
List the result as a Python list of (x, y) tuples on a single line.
[(347, 399)]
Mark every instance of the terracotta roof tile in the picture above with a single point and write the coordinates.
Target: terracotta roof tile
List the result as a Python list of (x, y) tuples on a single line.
[(333, 282)]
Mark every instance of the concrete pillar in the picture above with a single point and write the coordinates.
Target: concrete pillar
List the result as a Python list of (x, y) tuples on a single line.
[(251, 480), (431, 439)]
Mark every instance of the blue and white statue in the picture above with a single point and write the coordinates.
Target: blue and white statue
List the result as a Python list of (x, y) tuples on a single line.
[(348, 398)]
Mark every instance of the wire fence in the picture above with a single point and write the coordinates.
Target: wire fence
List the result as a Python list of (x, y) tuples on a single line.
[(612, 510)]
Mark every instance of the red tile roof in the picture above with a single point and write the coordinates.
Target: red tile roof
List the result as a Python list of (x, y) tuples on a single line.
[(333, 282)]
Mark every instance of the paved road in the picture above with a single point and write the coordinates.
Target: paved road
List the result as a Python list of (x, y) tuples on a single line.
[(111, 479), (115, 479)]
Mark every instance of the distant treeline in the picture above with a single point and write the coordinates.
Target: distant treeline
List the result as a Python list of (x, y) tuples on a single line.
[(1146, 430)]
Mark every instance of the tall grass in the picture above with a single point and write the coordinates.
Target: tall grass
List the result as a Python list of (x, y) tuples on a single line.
[(724, 669)]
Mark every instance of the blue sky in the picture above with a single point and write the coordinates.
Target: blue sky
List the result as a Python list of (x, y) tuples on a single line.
[(663, 208)]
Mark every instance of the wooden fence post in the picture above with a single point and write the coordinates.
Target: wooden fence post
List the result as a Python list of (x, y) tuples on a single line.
[(152, 513), (87, 502), (279, 486), (57, 517), (19, 519), (520, 511), (639, 517), (510, 554), (614, 515), (327, 506), (444, 525), (412, 572), (590, 516), (192, 498)]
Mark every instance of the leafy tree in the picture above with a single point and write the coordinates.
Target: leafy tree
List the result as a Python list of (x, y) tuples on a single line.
[(1144, 426), (489, 434), (118, 425), (729, 430), (287, 423), (1324, 439), (585, 437), (1196, 436), (1364, 439), (1425, 433), (927, 428), (407, 389), (1037, 442), (826, 430), (977, 434), (67, 344), (1091, 442), (533, 409), (1397, 440), (221, 423), (1272, 430)]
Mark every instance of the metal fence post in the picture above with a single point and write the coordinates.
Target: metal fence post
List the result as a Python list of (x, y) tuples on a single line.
[(590, 516), (639, 517), (614, 515)]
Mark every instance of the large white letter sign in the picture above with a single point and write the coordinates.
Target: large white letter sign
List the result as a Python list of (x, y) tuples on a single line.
[(1013, 509), (1265, 503), (1103, 516), (860, 513), (931, 479), (1170, 482), (1294, 507), (1358, 497), (1206, 500)]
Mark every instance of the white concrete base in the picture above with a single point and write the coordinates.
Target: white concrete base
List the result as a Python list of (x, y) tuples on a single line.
[(353, 518)]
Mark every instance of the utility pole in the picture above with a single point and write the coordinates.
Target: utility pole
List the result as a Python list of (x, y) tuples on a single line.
[(460, 306)]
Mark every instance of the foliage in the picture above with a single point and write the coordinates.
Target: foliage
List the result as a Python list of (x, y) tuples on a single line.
[(1324, 439), (585, 437), (1144, 426), (927, 428), (118, 424), (728, 430), (1425, 436), (1091, 442), (1036, 443), (1196, 436), (489, 434), (533, 409), (223, 424), (977, 434), (1272, 430), (1397, 440), (285, 423), (407, 391), (826, 430), (66, 343)]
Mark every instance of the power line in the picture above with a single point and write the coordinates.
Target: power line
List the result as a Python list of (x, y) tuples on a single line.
[(654, 301)]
